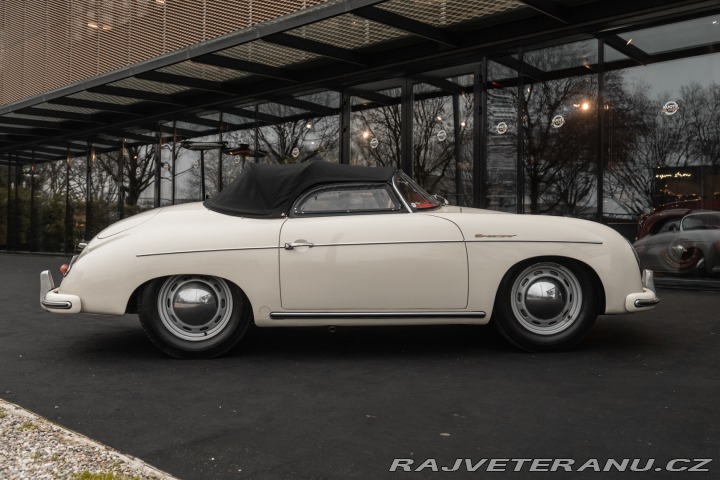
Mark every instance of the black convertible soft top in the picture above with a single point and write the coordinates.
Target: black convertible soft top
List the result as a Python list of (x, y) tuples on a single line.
[(262, 190)]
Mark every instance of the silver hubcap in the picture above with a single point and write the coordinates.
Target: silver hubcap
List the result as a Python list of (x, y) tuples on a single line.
[(194, 307), (546, 298)]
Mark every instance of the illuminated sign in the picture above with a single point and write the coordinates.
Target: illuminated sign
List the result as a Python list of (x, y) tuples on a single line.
[(663, 176), (670, 108)]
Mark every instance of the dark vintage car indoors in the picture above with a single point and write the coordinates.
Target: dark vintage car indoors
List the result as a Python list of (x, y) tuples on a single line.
[(680, 242)]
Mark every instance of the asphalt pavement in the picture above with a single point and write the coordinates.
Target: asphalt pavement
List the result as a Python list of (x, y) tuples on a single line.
[(310, 404)]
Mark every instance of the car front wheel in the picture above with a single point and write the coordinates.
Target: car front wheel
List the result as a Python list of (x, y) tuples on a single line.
[(545, 306), (194, 316)]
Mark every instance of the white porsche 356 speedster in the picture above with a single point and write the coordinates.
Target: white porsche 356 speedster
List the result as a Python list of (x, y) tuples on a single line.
[(321, 244)]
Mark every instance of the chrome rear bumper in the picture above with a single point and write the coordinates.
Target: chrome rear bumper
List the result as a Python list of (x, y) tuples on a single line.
[(53, 301)]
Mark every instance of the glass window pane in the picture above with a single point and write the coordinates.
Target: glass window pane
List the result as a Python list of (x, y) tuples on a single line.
[(5, 192), (50, 207), (576, 54), (375, 128), (365, 199), (442, 140), (501, 138), (701, 31)]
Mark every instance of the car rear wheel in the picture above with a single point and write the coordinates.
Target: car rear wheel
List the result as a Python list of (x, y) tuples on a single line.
[(194, 316), (545, 306), (682, 257)]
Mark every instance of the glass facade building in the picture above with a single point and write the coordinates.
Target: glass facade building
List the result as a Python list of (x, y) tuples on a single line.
[(559, 107)]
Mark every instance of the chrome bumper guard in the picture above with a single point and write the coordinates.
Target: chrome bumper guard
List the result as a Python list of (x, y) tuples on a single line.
[(645, 300), (52, 301)]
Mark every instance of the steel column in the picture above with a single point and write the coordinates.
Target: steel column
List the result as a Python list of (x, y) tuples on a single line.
[(69, 224), (88, 198), (220, 158), (9, 198), (601, 130), (121, 181), (406, 128), (345, 115), (174, 162), (33, 219), (202, 175), (520, 174), (158, 168)]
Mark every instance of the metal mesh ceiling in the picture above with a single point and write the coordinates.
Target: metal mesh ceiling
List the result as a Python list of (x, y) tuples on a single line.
[(112, 99), (289, 48), (22, 116), (268, 54), (67, 108), (202, 71), (133, 83), (80, 39), (348, 31), (442, 13)]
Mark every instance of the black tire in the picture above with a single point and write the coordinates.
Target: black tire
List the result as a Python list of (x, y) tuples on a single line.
[(546, 305), (194, 316)]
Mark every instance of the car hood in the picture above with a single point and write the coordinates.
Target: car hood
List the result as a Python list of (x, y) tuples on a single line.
[(128, 223)]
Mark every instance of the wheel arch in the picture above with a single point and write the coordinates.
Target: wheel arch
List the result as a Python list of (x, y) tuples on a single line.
[(134, 299), (597, 284)]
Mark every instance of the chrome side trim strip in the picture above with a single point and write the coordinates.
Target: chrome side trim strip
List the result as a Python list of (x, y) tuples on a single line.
[(399, 242), (581, 242), (207, 250), (371, 315)]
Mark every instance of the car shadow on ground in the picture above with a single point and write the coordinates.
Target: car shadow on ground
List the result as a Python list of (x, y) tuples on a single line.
[(469, 341)]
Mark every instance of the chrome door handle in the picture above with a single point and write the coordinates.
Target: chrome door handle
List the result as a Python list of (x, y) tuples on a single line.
[(290, 246)]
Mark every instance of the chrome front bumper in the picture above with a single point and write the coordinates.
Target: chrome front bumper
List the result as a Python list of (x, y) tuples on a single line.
[(646, 300), (53, 301)]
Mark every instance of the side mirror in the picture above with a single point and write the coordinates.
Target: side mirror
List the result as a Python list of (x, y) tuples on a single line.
[(674, 228), (441, 199)]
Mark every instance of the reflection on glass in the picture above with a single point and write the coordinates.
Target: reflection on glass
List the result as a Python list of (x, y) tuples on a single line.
[(690, 33), (576, 54), (442, 141), (310, 136), (375, 128), (501, 139)]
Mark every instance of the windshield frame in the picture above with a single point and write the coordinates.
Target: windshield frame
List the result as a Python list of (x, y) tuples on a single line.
[(412, 207)]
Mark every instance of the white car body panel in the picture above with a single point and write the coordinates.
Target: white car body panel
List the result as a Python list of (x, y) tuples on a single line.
[(495, 243), (346, 269), (448, 259)]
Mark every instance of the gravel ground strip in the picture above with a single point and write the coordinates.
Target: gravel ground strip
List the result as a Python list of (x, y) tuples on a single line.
[(34, 448)]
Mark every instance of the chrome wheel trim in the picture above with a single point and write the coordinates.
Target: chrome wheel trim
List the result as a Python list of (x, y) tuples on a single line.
[(546, 298), (195, 307)]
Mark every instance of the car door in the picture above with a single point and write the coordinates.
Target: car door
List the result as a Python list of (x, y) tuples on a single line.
[(340, 252)]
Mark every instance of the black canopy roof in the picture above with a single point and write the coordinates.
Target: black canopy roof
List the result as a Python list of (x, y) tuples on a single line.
[(262, 190)]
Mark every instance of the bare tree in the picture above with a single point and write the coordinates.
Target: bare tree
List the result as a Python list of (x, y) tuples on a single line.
[(700, 106), (433, 149), (641, 138), (556, 137), (310, 137), (378, 142), (138, 169)]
